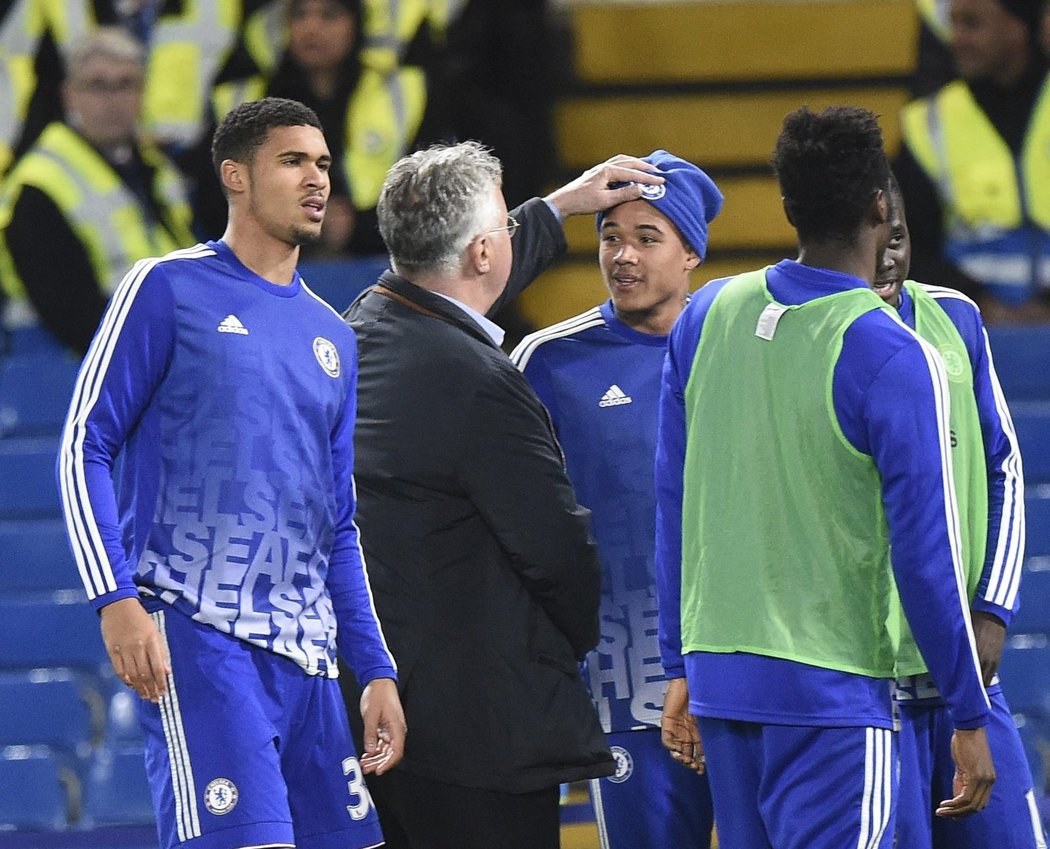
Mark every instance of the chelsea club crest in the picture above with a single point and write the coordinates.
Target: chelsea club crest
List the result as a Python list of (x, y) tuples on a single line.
[(650, 192), (624, 764), (327, 356), (220, 796)]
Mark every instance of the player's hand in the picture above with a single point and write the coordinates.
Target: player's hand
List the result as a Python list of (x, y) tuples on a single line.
[(974, 775), (591, 192), (990, 634), (385, 726), (678, 729), (135, 648)]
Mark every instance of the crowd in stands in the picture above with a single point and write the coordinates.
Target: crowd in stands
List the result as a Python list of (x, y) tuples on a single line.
[(107, 109)]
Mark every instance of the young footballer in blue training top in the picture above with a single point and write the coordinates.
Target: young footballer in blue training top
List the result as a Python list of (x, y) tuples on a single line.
[(988, 483), (599, 375), (225, 562)]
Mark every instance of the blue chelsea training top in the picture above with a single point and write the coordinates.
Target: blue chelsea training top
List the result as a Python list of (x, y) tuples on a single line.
[(229, 402), (600, 379)]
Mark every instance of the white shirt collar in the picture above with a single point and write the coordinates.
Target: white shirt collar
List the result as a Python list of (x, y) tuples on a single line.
[(492, 330)]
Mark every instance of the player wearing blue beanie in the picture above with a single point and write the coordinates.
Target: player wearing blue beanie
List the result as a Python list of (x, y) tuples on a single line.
[(599, 375), (688, 197)]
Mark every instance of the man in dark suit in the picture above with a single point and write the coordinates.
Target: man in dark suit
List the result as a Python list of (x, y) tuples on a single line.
[(484, 574)]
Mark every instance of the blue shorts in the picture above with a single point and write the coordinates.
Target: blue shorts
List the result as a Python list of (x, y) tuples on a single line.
[(796, 787), (651, 802), (246, 749), (1010, 821)]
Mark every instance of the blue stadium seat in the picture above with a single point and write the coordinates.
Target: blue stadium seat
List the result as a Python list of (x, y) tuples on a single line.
[(37, 789), (1025, 673), (1034, 613), (122, 716), (53, 707), (35, 390), (60, 629), (28, 489), (1037, 521), (1032, 422), (116, 791), (340, 281), (31, 340), (35, 557), (1020, 361)]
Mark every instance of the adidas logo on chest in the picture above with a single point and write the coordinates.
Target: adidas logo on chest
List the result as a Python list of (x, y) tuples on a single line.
[(232, 324), (614, 397)]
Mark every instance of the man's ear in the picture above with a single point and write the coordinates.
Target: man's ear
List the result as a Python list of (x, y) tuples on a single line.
[(234, 175), (880, 207), (692, 260), (787, 211), (479, 255)]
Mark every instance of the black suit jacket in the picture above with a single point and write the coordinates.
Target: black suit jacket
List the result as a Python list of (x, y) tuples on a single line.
[(484, 574)]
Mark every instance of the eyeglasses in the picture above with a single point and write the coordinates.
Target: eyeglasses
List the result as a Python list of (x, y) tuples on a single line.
[(511, 228), (124, 85)]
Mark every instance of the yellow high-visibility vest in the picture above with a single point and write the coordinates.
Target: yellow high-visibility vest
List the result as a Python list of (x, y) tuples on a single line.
[(187, 52), (390, 25), (996, 206), (102, 211), (21, 30)]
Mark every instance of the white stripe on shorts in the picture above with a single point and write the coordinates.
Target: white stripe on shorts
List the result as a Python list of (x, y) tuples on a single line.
[(187, 816), (878, 787), (1037, 823), (599, 813)]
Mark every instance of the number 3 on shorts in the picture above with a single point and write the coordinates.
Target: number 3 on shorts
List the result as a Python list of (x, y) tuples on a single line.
[(357, 788)]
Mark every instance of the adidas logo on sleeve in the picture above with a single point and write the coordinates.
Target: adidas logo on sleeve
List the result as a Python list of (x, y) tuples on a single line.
[(232, 324), (614, 397)]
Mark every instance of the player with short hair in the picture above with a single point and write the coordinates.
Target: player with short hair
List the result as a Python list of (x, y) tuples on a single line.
[(225, 562), (803, 436), (989, 481), (598, 374)]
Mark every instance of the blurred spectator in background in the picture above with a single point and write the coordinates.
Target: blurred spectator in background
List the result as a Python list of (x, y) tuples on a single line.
[(370, 118), (89, 198), (36, 36), (934, 65), (974, 171), (191, 42)]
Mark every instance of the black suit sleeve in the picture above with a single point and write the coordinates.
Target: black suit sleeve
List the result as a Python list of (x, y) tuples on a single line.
[(539, 241), (53, 264), (514, 476)]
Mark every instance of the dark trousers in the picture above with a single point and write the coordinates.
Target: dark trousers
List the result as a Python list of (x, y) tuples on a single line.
[(418, 813)]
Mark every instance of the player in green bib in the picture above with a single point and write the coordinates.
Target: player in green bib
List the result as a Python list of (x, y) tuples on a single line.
[(988, 483)]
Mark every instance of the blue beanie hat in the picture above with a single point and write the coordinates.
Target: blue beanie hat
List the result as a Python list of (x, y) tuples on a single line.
[(688, 197)]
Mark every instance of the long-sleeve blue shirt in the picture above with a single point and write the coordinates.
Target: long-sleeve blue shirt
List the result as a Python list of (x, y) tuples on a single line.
[(224, 405), (888, 394), (600, 380), (997, 591)]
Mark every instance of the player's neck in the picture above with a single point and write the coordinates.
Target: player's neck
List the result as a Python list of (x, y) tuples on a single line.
[(272, 259)]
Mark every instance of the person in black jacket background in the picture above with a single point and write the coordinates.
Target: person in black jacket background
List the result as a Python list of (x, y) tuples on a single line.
[(483, 571)]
